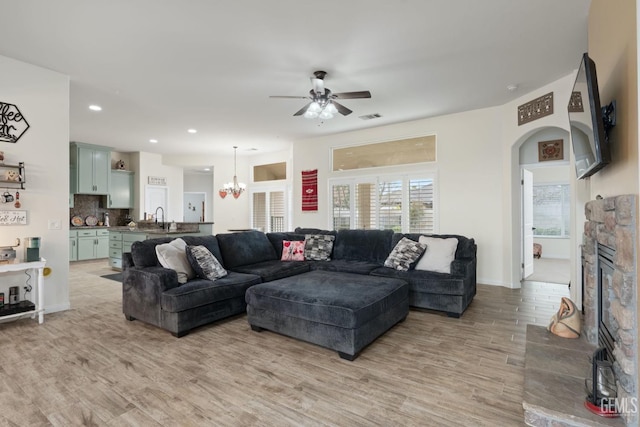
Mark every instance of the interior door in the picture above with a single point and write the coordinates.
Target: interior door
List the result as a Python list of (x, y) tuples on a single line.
[(527, 223), (156, 197), (194, 206)]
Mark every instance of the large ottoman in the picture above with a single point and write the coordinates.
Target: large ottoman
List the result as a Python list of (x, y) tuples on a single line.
[(341, 311)]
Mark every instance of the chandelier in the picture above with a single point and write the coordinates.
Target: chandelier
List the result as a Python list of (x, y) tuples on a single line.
[(233, 187)]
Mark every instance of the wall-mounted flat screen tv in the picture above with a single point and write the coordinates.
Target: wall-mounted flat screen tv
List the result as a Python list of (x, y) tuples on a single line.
[(588, 134)]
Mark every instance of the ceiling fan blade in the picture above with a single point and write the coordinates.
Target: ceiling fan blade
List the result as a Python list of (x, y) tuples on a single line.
[(291, 97), (352, 95), (342, 109), (302, 110)]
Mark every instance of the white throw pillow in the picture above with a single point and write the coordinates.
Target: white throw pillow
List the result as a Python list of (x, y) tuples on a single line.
[(439, 254), (173, 255)]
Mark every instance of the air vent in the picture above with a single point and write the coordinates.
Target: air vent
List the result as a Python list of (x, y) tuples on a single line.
[(370, 116)]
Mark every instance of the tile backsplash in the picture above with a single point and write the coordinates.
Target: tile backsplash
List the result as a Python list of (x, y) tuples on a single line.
[(86, 204)]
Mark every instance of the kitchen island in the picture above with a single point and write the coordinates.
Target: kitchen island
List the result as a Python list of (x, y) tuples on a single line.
[(121, 237)]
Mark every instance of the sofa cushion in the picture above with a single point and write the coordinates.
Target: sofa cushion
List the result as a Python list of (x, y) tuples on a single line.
[(344, 266), (439, 254), (405, 254), (204, 263), (303, 231), (272, 270), (173, 255), (143, 253), (426, 281), (466, 246), (292, 250), (363, 245), (318, 247), (209, 242), (338, 299), (200, 292), (245, 248)]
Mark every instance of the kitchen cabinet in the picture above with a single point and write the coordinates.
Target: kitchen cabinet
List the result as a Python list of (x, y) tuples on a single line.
[(93, 244), (91, 165), (121, 190), (73, 245)]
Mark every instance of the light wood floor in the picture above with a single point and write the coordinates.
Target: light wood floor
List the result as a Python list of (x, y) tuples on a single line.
[(89, 366)]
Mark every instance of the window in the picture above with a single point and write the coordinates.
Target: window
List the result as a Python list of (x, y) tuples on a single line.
[(269, 211), (403, 204), (551, 207)]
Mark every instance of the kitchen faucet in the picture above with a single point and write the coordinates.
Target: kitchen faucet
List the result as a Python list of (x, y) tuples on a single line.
[(156, 215)]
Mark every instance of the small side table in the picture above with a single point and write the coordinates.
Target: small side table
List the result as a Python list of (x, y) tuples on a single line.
[(35, 267)]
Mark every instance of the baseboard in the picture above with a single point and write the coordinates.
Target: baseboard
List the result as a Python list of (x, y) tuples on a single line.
[(58, 307), (481, 281)]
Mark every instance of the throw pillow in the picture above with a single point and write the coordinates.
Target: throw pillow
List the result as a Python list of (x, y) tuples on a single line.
[(173, 255), (204, 263), (318, 247), (405, 253), (439, 254), (292, 250)]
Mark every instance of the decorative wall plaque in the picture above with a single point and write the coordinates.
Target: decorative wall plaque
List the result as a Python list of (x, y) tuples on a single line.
[(13, 217), (535, 109), (12, 124), (575, 103), (157, 180), (550, 150)]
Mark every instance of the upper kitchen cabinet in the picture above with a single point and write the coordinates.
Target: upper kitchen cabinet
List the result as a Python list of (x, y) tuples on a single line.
[(121, 191), (91, 166)]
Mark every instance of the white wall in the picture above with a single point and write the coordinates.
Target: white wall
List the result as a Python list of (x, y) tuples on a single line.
[(150, 164), (201, 182), (43, 98), (469, 175)]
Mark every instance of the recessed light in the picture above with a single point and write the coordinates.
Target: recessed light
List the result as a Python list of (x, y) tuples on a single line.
[(207, 169), (512, 87), (192, 131), (153, 141), (95, 108)]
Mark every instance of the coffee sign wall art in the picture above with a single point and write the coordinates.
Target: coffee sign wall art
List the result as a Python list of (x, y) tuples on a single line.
[(12, 123)]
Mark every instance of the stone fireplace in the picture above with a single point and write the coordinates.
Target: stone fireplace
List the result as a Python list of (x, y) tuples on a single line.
[(609, 261)]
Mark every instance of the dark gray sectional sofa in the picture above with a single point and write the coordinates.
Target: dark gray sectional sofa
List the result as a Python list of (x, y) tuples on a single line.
[(153, 295)]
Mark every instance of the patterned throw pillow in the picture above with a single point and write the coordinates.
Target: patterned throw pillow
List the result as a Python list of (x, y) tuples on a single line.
[(318, 247), (204, 263), (292, 250), (405, 253)]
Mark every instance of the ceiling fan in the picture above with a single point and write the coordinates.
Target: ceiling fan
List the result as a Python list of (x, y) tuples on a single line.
[(323, 104)]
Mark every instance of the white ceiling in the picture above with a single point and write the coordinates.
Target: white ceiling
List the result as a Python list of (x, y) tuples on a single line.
[(159, 67)]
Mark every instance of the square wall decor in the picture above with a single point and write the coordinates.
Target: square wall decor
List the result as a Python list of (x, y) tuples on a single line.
[(535, 109), (550, 150)]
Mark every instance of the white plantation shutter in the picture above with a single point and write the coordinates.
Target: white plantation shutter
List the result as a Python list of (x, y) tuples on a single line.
[(551, 206), (390, 207), (421, 219), (260, 211), (341, 197), (403, 204), (276, 211), (365, 204)]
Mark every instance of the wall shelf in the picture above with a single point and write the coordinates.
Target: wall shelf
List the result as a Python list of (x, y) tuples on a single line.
[(5, 183)]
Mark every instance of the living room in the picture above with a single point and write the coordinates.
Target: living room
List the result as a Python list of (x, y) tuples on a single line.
[(477, 150)]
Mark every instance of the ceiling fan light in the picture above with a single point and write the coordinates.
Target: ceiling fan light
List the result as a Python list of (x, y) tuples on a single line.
[(314, 107), (331, 108), (310, 114), (326, 115)]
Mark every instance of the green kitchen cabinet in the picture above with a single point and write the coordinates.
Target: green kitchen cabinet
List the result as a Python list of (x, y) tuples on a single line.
[(121, 190), (91, 166), (93, 244), (73, 245)]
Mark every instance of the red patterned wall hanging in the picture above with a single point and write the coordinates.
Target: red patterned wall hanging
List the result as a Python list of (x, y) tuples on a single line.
[(310, 190)]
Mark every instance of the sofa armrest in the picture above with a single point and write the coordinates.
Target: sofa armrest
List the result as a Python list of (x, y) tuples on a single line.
[(142, 290), (127, 260), (155, 279), (464, 267)]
